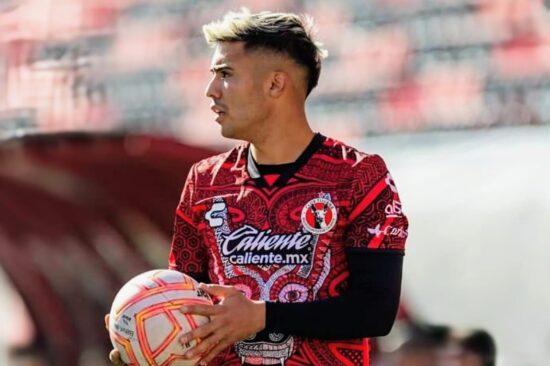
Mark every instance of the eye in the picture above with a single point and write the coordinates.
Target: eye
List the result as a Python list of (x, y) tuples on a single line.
[(224, 74)]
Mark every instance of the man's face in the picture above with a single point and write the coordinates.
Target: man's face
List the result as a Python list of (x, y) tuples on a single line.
[(238, 91)]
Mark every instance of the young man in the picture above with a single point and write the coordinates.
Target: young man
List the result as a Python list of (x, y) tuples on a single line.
[(301, 236)]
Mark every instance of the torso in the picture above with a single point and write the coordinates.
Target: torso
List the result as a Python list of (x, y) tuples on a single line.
[(282, 242)]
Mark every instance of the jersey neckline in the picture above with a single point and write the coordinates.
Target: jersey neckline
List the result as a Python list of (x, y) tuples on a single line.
[(254, 172)]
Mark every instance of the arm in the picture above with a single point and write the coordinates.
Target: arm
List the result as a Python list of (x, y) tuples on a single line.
[(367, 309), (375, 244), (187, 251)]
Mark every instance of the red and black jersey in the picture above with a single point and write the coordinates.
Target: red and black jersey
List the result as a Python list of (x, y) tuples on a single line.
[(286, 238)]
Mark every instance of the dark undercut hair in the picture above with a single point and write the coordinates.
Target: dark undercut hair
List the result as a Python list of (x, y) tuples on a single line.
[(283, 33)]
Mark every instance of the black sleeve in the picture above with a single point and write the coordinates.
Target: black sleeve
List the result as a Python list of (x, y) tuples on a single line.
[(367, 309)]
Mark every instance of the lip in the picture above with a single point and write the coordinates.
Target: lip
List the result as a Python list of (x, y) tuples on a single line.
[(217, 109), (220, 116), (220, 111)]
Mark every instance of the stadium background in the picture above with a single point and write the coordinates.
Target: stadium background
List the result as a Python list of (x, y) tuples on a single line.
[(102, 110)]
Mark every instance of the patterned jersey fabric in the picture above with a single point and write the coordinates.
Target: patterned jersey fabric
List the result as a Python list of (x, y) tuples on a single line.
[(285, 240)]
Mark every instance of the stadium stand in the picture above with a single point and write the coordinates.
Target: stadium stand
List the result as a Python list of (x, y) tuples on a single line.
[(80, 215), (394, 66)]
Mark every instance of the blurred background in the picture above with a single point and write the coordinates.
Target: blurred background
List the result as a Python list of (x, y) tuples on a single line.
[(102, 111)]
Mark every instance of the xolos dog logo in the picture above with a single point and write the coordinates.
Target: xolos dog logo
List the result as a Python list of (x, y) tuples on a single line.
[(319, 216)]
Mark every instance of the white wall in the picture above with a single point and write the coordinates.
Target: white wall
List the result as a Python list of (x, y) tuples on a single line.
[(478, 254)]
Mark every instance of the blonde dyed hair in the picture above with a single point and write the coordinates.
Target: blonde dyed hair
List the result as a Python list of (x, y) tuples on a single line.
[(283, 33)]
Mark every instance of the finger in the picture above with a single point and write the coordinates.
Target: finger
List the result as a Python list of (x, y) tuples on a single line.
[(218, 290), (198, 333), (203, 347), (115, 359), (207, 310), (107, 321), (213, 353)]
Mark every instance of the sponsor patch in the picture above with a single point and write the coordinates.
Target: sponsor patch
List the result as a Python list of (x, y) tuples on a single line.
[(389, 231), (248, 245)]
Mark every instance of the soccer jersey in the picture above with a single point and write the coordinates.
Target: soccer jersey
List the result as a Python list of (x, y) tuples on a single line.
[(285, 238)]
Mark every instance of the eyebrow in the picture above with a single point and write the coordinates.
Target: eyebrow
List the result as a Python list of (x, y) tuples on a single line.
[(222, 67)]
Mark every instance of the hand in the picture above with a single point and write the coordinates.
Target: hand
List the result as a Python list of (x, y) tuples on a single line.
[(233, 319), (114, 355)]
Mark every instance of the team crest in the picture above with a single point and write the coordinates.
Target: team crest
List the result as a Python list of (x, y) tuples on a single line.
[(319, 216)]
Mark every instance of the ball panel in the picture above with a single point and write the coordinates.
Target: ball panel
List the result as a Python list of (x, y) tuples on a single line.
[(165, 335), (163, 323)]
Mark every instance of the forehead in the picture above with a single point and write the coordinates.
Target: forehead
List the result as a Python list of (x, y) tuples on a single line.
[(229, 52)]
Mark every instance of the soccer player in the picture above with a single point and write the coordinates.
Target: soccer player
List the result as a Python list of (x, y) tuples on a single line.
[(300, 236)]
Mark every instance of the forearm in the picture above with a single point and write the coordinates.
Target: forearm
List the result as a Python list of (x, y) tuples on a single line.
[(368, 309)]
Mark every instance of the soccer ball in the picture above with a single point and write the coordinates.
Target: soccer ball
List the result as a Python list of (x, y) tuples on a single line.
[(145, 323)]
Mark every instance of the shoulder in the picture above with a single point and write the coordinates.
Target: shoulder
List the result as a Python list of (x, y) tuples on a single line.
[(222, 164), (360, 164)]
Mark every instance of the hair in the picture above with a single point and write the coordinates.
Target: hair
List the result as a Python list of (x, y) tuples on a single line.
[(283, 33), (482, 344), (426, 337)]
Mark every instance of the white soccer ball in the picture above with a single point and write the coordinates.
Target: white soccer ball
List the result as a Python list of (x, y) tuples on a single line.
[(145, 323)]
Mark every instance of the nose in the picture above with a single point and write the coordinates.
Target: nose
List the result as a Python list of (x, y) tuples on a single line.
[(213, 89)]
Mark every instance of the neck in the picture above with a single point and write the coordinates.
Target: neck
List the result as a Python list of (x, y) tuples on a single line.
[(283, 144)]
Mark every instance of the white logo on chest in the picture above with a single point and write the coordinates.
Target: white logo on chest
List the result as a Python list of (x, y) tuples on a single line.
[(214, 215)]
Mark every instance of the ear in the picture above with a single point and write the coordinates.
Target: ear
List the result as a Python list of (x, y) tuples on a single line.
[(278, 83)]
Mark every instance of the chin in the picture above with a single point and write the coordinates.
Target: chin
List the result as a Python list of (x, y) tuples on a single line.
[(232, 134), (226, 132)]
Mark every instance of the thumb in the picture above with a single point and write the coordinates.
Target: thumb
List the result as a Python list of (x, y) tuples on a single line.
[(218, 290), (107, 321)]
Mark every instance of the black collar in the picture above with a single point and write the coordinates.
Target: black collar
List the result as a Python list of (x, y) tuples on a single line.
[(254, 172)]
